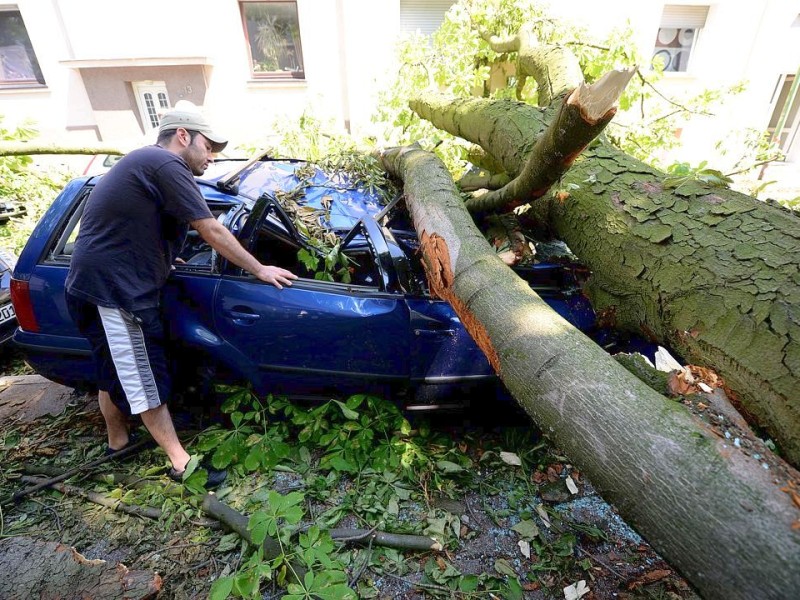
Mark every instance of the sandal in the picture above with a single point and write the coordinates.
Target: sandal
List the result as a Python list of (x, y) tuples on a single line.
[(214, 477), (133, 438)]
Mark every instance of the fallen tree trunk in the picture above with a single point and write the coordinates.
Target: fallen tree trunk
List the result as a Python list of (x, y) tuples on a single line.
[(707, 271), (700, 502), (34, 569)]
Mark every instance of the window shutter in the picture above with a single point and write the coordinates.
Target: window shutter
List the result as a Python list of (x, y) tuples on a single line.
[(681, 16), (425, 15)]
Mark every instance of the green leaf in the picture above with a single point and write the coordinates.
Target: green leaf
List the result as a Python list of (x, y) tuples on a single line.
[(227, 542), (527, 529), (229, 450), (468, 583), (309, 260), (340, 464), (191, 466), (514, 589), (257, 525), (347, 412), (502, 566), (246, 583), (221, 588), (253, 459), (448, 466)]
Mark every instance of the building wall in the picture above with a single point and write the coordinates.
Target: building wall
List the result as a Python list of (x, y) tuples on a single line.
[(90, 51)]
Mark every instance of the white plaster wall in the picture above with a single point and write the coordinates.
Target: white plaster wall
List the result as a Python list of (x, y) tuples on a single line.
[(62, 103), (348, 48), (371, 32)]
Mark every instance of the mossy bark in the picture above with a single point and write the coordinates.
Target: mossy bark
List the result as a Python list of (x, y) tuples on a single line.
[(700, 503), (710, 272), (32, 568)]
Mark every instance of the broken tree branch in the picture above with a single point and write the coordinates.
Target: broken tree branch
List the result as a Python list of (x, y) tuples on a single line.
[(128, 450), (71, 490), (237, 522), (583, 115), (30, 149), (555, 69)]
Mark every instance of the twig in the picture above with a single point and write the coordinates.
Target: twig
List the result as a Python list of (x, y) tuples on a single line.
[(419, 584), (52, 510), (597, 560), (17, 496), (130, 509), (364, 565), (753, 166), (174, 547), (359, 536), (682, 107)]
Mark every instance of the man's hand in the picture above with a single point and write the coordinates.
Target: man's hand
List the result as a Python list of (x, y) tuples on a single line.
[(275, 275), (223, 241)]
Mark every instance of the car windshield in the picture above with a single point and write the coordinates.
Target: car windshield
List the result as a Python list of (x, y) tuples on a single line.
[(340, 206)]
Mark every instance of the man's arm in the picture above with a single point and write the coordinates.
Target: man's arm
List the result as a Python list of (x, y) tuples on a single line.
[(223, 241)]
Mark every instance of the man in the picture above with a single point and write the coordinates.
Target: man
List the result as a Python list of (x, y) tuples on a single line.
[(132, 228)]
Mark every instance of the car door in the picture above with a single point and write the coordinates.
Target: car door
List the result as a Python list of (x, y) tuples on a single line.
[(315, 337)]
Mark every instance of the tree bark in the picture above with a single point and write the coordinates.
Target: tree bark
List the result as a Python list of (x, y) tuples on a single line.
[(555, 69), (708, 271), (580, 119), (702, 503), (48, 570)]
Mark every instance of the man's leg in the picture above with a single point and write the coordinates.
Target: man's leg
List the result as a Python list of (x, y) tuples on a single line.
[(116, 421), (136, 345), (159, 423)]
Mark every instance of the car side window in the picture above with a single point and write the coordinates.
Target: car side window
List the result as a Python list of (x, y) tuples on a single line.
[(61, 250), (272, 246)]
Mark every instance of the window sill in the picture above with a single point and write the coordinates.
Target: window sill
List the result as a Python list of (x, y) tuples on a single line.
[(24, 87), (277, 82), (678, 76)]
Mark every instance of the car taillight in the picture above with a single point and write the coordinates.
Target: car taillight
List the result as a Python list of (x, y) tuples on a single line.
[(21, 299)]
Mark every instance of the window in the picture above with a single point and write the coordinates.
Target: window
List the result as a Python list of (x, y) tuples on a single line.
[(784, 122), (18, 64), (272, 30), (152, 100), (677, 35)]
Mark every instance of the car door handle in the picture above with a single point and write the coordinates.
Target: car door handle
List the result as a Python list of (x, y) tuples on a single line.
[(242, 317), (434, 332)]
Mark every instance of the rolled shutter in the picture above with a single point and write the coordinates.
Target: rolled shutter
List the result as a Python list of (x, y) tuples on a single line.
[(680, 16), (423, 15)]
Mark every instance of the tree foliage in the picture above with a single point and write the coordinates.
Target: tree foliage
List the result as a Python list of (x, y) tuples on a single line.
[(25, 185), (456, 60)]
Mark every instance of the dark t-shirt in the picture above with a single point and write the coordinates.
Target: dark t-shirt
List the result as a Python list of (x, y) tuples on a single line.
[(133, 226)]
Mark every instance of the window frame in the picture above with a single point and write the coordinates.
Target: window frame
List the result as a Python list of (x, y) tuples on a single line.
[(681, 19), (38, 80), (272, 75)]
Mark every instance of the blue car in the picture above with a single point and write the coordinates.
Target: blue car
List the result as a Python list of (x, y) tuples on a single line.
[(377, 330)]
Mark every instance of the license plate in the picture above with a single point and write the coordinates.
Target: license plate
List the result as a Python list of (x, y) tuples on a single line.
[(7, 313)]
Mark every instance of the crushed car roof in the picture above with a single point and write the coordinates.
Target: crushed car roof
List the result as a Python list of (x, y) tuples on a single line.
[(343, 203)]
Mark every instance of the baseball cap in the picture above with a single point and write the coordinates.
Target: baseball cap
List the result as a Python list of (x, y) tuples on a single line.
[(193, 121)]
